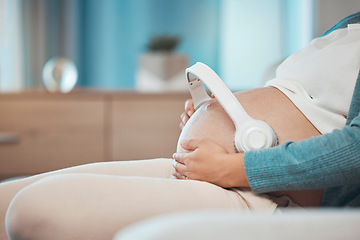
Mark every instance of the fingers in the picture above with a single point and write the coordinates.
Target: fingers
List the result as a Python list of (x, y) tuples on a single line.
[(189, 111), (179, 170), (178, 175), (184, 119), (179, 157), (189, 107), (191, 144)]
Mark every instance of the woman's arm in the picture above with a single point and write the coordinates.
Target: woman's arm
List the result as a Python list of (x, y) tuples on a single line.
[(320, 162)]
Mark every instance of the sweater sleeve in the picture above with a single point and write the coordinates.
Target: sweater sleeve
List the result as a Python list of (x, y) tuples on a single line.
[(319, 162)]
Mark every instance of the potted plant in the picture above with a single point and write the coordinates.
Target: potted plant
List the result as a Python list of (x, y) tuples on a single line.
[(161, 67)]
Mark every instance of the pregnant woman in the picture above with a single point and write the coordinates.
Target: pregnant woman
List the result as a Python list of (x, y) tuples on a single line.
[(94, 201)]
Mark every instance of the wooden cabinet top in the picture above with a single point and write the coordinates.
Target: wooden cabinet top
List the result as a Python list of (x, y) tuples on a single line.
[(92, 94)]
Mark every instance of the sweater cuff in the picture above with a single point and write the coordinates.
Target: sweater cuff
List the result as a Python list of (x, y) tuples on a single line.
[(263, 176)]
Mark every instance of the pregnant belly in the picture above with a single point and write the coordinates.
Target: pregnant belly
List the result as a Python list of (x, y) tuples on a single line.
[(266, 104)]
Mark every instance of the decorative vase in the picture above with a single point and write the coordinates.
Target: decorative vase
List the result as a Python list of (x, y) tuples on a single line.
[(161, 71)]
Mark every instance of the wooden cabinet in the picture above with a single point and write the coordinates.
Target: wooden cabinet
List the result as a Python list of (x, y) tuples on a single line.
[(144, 127), (40, 131)]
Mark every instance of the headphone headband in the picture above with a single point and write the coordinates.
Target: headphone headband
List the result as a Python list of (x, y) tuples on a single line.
[(201, 73), (250, 133)]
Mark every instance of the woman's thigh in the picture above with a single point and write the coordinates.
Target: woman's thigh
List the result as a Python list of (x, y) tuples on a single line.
[(94, 206), (158, 168)]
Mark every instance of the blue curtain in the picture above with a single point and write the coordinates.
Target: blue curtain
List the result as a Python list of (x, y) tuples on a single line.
[(115, 33)]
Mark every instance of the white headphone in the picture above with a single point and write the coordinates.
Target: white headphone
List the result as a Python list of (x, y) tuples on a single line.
[(250, 134)]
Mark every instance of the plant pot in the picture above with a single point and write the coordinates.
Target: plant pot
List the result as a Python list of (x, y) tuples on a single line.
[(162, 71)]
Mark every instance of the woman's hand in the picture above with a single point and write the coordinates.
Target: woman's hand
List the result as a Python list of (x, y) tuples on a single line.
[(210, 162), (189, 111)]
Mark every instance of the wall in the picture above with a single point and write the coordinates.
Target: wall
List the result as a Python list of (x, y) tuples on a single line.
[(329, 12)]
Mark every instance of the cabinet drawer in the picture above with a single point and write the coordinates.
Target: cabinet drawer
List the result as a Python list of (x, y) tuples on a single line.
[(51, 134), (145, 128)]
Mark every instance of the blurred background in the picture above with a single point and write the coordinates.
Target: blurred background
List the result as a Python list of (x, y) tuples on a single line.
[(239, 39)]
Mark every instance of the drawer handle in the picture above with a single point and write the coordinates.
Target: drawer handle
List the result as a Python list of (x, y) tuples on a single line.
[(7, 138)]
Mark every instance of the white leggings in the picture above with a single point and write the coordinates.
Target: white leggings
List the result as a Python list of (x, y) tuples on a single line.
[(96, 200)]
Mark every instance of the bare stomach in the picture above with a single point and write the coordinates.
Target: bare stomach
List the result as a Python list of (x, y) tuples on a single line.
[(266, 104)]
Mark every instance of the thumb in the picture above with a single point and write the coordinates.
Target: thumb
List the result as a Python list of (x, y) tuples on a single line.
[(189, 107), (191, 144)]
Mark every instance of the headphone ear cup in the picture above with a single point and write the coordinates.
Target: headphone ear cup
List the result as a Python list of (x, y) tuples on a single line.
[(254, 135)]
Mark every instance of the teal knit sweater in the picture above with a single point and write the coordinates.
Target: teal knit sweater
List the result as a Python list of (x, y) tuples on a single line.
[(330, 161)]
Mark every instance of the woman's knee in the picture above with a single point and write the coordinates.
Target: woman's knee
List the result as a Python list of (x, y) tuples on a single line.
[(33, 212)]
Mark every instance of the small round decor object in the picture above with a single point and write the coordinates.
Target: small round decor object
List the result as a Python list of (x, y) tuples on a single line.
[(59, 75)]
